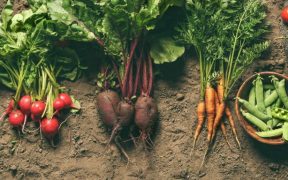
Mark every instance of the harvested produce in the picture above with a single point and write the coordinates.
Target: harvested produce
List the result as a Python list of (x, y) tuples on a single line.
[(223, 36), (31, 64), (271, 122), (134, 35), (284, 14)]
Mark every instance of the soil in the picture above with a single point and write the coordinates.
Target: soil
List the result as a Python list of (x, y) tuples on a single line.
[(82, 152)]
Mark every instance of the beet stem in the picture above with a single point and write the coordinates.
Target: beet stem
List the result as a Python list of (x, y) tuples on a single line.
[(137, 79), (150, 76)]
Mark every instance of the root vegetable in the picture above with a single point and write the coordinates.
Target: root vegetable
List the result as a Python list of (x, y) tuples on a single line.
[(49, 127), (146, 113), (25, 104), (67, 99), (58, 104), (16, 118), (8, 110), (107, 102), (38, 108), (201, 120), (210, 110)]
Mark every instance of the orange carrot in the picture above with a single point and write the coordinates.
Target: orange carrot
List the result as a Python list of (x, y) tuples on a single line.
[(220, 89), (201, 119), (210, 110), (232, 124), (219, 111)]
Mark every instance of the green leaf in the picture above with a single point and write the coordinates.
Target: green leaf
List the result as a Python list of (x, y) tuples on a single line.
[(6, 15), (166, 50)]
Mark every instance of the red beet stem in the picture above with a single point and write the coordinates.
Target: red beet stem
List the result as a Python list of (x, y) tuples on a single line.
[(137, 79), (150, 76)]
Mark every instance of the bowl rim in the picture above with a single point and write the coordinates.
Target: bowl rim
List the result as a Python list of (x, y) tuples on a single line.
[(247, 126)]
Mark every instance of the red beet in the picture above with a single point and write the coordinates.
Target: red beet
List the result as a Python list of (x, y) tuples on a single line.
[(146, 112), (125, 112), (38, 108), (107, 102), (16, 118), (49, 127)]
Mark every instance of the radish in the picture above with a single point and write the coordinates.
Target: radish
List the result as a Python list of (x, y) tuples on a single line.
[(107, 102), (16, 118), (38, 108), (58, 104), (146, 112), (284, 15), (25, 106), (67, 99), (49, 127), (8, 110)]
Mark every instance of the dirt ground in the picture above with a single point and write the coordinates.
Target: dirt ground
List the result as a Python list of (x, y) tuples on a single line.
[(82, 151)]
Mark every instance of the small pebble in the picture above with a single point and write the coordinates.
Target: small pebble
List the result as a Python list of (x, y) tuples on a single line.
[(13, 169), (180, 97)]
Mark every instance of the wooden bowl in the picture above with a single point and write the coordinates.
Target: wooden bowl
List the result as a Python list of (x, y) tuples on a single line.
[(243, 93)]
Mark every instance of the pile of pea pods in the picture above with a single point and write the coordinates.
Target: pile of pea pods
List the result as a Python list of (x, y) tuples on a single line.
[(267, 108)]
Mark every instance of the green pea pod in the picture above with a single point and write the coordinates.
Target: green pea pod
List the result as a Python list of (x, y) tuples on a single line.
[(280, 113), (277, 103), (285, 131), (275, 122), (254, 111), (259, 94), (269, 100), (270, 124), (271, 133), (281, 90), (252, 96), (255, 121)]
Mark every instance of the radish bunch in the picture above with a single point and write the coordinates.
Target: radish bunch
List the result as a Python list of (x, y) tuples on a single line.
[(38, 111)]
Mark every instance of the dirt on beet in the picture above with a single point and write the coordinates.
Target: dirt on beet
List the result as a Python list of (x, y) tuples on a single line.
[(82, 151)]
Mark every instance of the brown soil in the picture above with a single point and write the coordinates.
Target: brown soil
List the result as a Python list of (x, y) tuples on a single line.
[(82, 152)]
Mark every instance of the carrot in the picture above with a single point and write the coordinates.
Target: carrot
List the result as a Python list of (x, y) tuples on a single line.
[(220, 89), (210, 110), (232, 124), (201, 119), (220, 107)]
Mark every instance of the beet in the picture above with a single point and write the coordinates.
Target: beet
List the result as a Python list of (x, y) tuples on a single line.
[(146, 113), (107, 102), (125, 112)]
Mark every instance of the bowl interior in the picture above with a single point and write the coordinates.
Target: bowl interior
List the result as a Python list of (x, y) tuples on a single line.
[(243, 93)]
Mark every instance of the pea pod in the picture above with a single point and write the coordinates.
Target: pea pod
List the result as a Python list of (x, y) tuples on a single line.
[(255, 121), (285, 131), (253, 110), (280, 113), (268, 109), (275, 122), (269, 100), (281, 90), (277, 103), (270, 124), (252, 96), (271, 133), (259, 94)]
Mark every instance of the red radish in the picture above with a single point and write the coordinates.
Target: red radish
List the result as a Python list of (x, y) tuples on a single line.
[(38, 108), (16, 118), (107, 102), (146, 112), (8, 110), (25, 104), (67, 99), (284, 14), (58, 104), (49, 127)]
